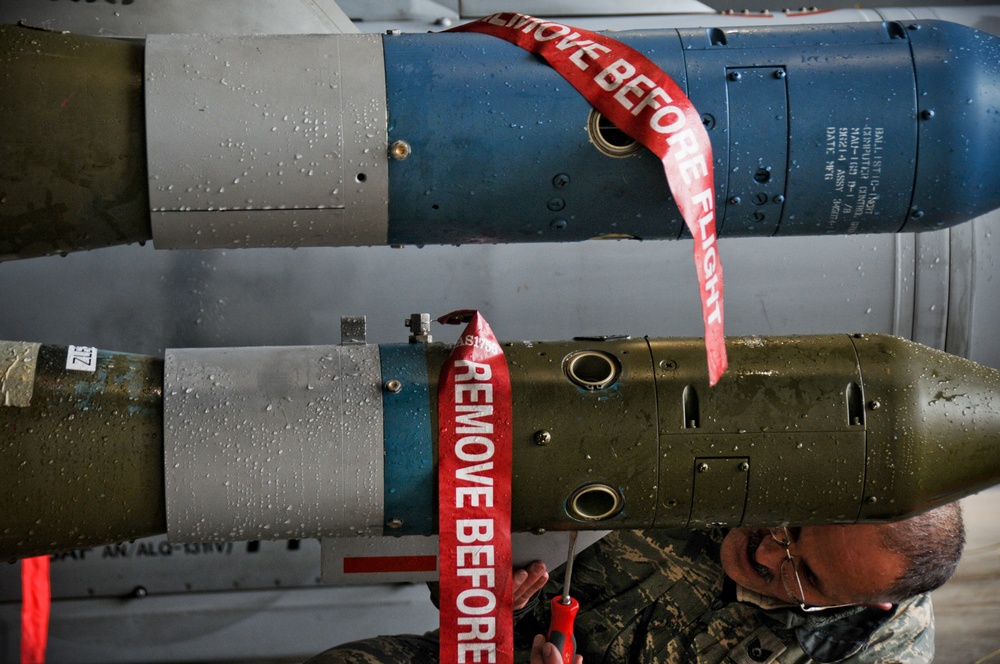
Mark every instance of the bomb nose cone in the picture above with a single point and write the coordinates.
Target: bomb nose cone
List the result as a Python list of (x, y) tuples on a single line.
[(957, 73), (933, 423)]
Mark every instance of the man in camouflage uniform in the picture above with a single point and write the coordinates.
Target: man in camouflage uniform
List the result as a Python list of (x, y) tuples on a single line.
[(738, 597)]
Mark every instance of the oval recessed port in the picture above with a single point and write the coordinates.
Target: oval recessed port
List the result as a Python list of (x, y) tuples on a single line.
[(591, 369), (608, 138), (595, 502)]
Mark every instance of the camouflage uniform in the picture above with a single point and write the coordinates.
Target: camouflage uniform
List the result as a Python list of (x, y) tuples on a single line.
[(657, 596)]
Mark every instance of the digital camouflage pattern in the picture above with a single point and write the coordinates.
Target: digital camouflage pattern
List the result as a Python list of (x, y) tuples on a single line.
[(651, 597)]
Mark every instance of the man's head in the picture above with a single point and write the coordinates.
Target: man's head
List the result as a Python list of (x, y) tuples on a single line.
[(876, 564)]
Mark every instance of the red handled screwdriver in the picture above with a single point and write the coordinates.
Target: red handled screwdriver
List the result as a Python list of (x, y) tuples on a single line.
[(564, 610)]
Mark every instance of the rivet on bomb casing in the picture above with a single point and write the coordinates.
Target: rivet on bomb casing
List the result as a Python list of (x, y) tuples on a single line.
[(543, 437), (538, 531), (708, 120), (779, 73), (916, 214), (556, 204), (872, 499), (702, 467), (558, 224), (400, 150), (744, 467), (735, 76), (927, 114), (874, 404), (668, 365), (139, 592), (672, 502), (393, 386), (560, 180), (735, 200), (394, 523)]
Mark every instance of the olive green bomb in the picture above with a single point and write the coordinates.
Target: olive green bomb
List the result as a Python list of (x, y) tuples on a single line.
[(606, 433)]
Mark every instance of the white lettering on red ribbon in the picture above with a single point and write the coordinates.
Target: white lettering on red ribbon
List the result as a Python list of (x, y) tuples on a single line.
[(641, 100), (474, 473)]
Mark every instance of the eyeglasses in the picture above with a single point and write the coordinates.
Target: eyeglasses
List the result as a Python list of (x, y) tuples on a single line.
[(794, 582)]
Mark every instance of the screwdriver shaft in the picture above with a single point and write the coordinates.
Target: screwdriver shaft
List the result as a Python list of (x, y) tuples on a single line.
[(569, 567)]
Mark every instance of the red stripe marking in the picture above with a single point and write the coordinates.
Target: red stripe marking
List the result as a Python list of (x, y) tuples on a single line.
[(370, 564)]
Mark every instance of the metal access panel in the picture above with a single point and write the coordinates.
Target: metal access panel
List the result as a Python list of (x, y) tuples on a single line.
[(720, 484), (758, 149), (266, 140)]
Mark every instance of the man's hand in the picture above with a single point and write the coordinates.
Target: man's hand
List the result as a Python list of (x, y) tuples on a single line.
[(527, 582), (543, 652)]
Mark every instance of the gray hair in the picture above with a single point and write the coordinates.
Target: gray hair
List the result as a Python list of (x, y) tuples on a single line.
[(932, 544)]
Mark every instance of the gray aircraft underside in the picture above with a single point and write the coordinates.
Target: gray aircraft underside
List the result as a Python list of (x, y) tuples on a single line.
[(154, 601)]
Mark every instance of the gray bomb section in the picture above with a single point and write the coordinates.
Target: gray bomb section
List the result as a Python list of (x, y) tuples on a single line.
[(607, 434)]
